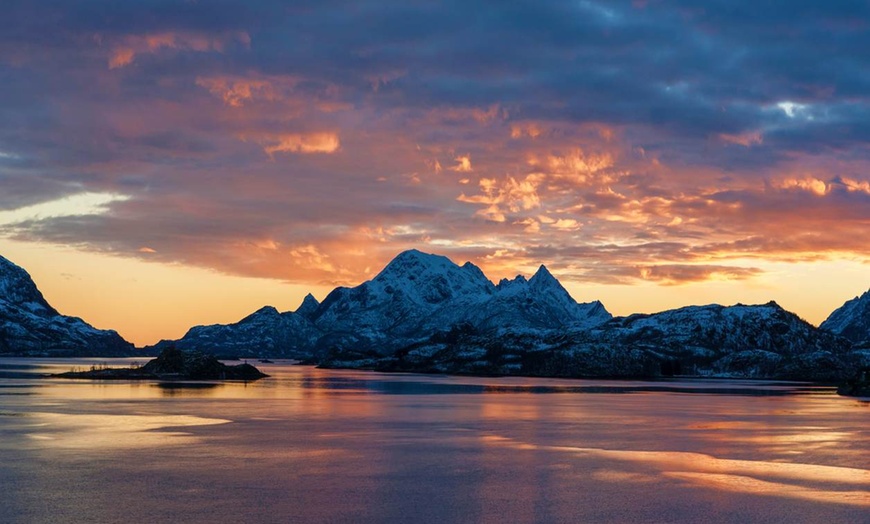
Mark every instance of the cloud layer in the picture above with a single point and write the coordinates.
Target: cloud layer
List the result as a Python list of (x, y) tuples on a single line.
[(614, 141)]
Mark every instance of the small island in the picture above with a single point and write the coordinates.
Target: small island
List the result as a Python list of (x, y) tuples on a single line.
[(173, 364)]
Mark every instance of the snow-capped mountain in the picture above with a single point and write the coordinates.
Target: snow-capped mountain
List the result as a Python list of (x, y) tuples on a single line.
[(409, 294), (419, 294), (754, 341), (413, 297), (423, 312), (538, 303), (852, 320), (264, 333), (763, 341), (30, 326)]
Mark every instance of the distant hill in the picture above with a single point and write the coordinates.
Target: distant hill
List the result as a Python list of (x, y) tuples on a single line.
[(29, 326)]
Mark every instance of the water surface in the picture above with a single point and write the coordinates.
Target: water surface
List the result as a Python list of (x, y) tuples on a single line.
[(309, 445)]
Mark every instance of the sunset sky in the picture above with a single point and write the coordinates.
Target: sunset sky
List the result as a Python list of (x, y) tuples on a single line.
[(171, 163)]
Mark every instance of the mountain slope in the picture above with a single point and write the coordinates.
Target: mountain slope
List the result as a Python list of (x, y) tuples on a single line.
[(419, 294), (763, 341), (540, 303), (264, 333), (30, 326), (414, 296), (852, 320)]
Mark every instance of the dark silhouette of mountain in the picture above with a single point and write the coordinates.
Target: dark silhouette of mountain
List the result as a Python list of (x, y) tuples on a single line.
[(29, 326)]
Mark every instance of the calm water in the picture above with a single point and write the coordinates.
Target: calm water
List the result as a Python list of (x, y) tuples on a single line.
[(311, 445)]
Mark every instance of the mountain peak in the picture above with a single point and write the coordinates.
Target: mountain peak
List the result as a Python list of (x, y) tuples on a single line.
[(412, 261), (416, 255), (265, 311), (542, 276), (308, 307)]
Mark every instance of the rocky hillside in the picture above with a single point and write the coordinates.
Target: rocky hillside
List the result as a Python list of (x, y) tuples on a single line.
[(264, 333), (763, 341), (852, 321), (29, 326)]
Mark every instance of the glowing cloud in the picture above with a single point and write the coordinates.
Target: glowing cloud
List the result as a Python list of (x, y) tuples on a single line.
[(302, 143), (236, 91), (124, 53), (463, 164)]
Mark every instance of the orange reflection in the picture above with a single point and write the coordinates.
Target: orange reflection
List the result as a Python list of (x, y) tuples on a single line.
[(743, 484), (95, 431), (704, 470)]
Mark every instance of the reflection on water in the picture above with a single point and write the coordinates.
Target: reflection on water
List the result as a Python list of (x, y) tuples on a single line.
[(104, 432), (311, 445)]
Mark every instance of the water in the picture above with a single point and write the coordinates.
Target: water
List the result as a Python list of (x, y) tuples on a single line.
[(311, 445)]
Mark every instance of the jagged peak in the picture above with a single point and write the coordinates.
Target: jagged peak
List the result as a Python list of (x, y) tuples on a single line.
[(542, 274), (265, 311), (505, 283), (308, 306), (543, 278), (473, 269)]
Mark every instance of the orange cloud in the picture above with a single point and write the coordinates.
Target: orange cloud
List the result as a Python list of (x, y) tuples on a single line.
[(463, 164), (301, 143), (235, 91), (124, 53), (531, 130), (509, 195), (576, 167), (493, 113), (811, 184)]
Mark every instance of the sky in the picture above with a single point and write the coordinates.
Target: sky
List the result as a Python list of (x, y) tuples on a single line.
[(169, 163)]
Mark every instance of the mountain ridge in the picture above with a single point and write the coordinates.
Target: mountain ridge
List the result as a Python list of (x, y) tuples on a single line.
[(423, 312), (30, 326)]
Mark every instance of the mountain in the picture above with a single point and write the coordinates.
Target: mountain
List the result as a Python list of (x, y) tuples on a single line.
[(29, 326), (852, 320), (424, 313), (413, 292), (419, 294), (264, 333), (748, 341), (308, 307), (762, 341), (538, 303), (415, 295)]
